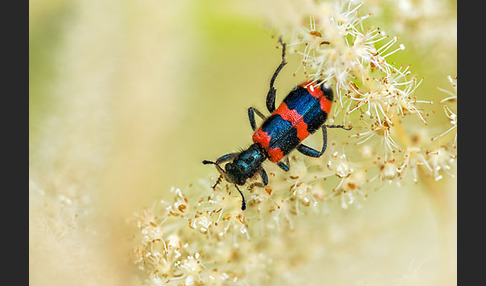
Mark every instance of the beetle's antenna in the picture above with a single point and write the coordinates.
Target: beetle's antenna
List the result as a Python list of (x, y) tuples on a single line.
[(206, 162), (243, 202), (217, 181), (220, 170)]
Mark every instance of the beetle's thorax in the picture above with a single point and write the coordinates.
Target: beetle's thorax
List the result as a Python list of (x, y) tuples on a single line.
[(246, 164)]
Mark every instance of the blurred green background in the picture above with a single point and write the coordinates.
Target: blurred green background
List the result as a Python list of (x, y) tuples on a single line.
[(161, 85), (171, 82)]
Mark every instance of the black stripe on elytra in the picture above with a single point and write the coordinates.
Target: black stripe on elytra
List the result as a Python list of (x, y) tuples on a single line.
[(300, 100), (314, 118), (275, 126), (282, 134), (288, 141)]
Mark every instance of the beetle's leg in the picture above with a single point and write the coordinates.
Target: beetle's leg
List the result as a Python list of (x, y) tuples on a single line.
[(272, 92), (339, 126), (308, 151), (220, 160), (251, 116), (264, 176), (226, 158), (264, 182), (284, 166)]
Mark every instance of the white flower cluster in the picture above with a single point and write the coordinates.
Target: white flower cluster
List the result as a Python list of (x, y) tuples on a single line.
[(372, 94)]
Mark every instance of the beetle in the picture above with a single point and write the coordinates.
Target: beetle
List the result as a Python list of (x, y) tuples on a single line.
[(302, 112)]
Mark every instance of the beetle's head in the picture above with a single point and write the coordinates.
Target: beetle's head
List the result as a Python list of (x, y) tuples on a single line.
[(235, 173), (232, 175)]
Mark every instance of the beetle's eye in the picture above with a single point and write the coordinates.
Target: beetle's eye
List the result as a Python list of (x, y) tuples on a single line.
[(229, 167)]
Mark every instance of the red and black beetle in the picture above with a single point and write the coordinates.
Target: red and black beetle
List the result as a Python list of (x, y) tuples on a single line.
[(302, 112)]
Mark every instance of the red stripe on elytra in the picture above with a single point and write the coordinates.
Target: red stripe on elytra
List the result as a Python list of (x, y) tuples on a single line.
[(313, 89), (262, 137), (295, 119), (288, 114), (316, 92), (275, 154), (302, 131), (325, 104)]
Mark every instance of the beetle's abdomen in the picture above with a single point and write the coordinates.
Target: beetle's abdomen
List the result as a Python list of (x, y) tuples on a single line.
[(301, 113)]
